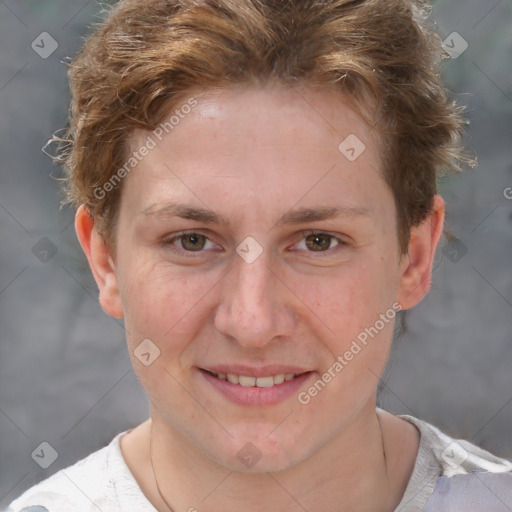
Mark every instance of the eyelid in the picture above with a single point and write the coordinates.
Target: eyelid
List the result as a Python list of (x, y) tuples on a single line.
[(342, 243), (168, 242)]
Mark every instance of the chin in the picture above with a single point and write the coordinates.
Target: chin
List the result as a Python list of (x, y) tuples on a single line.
[(259, 453)]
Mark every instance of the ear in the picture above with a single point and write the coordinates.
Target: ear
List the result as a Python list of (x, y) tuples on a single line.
[(102, 265), (416, 275)]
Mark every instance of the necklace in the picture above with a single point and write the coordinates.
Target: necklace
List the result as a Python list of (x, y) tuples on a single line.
[(153, 469), (170, 509)]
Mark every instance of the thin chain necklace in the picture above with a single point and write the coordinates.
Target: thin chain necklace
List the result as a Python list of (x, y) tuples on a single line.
[(153, 469), (156, 480)]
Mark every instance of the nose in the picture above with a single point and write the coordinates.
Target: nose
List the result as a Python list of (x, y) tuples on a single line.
[(255, 306)]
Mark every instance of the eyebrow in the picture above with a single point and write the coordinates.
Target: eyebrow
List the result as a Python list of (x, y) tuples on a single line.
[(295, 216)]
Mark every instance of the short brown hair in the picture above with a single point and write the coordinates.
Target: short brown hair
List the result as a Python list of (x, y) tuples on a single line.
[(147, 54)]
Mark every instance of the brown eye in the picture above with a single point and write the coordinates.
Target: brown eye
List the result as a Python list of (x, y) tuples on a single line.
[(189, 244), (193, 242), (319, 242)]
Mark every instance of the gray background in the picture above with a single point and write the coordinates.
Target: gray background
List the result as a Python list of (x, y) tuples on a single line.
[(65, 375)]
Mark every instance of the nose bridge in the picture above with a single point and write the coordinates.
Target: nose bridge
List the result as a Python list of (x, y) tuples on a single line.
[(252, 288)]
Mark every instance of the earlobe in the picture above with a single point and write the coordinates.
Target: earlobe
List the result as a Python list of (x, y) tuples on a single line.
[(416, 277), (100, 261)]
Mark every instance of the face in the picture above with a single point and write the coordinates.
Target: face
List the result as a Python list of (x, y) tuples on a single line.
[(251, 243)]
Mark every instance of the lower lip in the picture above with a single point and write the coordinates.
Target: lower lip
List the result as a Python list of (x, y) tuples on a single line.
[(257, 396)]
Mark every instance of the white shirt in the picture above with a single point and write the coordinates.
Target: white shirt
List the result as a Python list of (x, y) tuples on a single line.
[(449, 476)]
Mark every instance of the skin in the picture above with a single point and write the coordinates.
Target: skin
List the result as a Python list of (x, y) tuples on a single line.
[(252, 155)]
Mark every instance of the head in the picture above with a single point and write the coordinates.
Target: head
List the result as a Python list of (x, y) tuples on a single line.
[(254, 116)]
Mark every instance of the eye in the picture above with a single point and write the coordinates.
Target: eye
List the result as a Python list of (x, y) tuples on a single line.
[(193, 242), (316, 241), (190, 242)]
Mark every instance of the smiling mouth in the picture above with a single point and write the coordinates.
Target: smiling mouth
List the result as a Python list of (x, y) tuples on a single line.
[(255, 382)]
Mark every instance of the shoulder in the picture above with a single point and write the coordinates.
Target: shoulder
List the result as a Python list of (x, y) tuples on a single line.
[(464, 476), (90, 484), (457, 456), (473, 492)]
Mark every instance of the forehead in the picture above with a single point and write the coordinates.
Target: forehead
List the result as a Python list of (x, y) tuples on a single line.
[(274, 147), (317, 116)]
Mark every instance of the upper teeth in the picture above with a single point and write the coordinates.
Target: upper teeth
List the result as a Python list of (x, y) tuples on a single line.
[(260, 382)]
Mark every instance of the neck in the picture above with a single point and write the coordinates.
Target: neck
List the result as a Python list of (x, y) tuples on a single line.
[(352, 472)]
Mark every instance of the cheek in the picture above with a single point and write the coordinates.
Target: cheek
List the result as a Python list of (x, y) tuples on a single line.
[(162, 303), (350, 305), (347, 296)]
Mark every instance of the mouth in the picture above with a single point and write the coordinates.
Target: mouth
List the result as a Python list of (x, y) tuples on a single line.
[(248, 381), (265, 387)]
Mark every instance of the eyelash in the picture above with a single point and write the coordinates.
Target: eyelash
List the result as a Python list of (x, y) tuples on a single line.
[(168, 243)]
